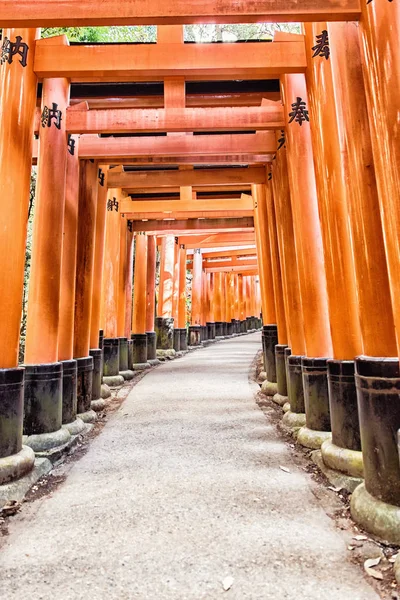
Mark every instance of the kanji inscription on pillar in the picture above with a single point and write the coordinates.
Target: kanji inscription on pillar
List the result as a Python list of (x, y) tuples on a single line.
[(71, 145), (130, 226), (282, 140), (321, 47), (101, 178), (51, 114), (10, 49), (112, 205), (299, 112)]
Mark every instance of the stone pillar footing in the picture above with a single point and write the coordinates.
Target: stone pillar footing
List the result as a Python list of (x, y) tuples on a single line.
[(165, 333), (294, 421), (375, 516), (45, 442), (139, 348), (76, 427), (88, 416), (98, 405), (309, 438), (16, 465), (344, 460), (151, 345), (114, 381), (194, 335)]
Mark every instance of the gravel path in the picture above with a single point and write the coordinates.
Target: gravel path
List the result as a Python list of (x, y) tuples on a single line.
[(181, 491)]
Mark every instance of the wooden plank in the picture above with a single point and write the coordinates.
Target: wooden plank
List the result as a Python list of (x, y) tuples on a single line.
[(131, 120), (194, 224), (207, 264), (91, 146), (203, 177), (197, 206), (154, 62), (223, 240), (230, 253), (220, 214), (245, 270), (80, 13)]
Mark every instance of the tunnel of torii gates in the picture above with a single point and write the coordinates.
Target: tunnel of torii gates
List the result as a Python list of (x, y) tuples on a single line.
[(269, 170)]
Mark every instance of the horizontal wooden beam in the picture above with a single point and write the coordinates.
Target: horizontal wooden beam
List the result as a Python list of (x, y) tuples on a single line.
[(230, 253), (194, 224), (199, 178), (114, 149), (217, 240), (154, 62), (132, 120), (209, 264), (79, 13), (131, 207), (177, 215), (251, 270)]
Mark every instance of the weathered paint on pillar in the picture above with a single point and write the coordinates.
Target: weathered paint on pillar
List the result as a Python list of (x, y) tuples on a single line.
[(122, 275), (182, 287), (380, 34), (264, 253), (197, 287), (306, 222), (164, 308), (44, 285), (217, 296), (140, 280), (276, 265), (151, 282), (332, 200), (99, 255), (111, 265), (241, 292), (236, 307), (129, 280), (18, 85), (88, 187), (230, 297), (287, 250), (210, 297), (223, 296), (69, 253), (375, 307)]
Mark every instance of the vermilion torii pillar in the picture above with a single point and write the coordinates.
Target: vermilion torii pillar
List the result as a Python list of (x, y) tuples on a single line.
[(270, 334), (182, 298), (195, 328), (230, 302), (67, 293), (307, 231), (217, 300), (43, 376), (164, 320), (97, 336), (291, 288), (130, 238), (17, 108), (123, 277), (110, 286), (151, 297), (84, 285), (139, 336), (210, 304), (175, 297), (242, 313)]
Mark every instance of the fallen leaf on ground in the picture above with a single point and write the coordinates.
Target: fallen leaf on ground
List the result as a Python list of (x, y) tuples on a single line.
[(350, 547), (392, 559), (227, 583), (373, 562), (335, 489), (360, 538), (284, 469)]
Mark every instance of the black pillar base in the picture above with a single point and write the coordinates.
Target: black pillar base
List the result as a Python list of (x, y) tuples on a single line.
[(69, 391), (43, 398), (11, 410), (139, 348), (316, 395), (177, 340), (229, 328), (183, 339), (85, 384), (248, 323), (243, 326), (281, 369), (211, 331), (270, 336), (194, 335), (111, 357), (378, 393), (151, 346), (295, 382), (123, 354), (101, 339), (343, 404), (219, 329), (97, 355), (130, 354), (165, 333), (204, 333)]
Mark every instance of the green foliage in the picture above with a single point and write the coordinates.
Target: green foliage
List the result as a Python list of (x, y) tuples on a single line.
[(146, 33), (236, 32)]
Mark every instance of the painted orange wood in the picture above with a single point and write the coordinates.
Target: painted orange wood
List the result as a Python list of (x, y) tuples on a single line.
[(307, 228), (154, 62), (69, 254), (239, 224), (130, 207), (79, 13), (151, 282), (45, 278), (182, 286), (110, 282), (88, 188), (164, 308), (140, 279), (197, 287)]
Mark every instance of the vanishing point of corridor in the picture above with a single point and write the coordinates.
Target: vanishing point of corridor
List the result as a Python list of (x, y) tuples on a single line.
[(180, 495)]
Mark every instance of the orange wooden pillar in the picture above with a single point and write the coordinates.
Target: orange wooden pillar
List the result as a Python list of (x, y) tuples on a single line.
[(182, 299), (210, 305), (164, 321), (151, 297), (230, 302), (43, 376), (264, 259), (242, 313), (110, 286), (291, 288), (197, 288), (139, 319), (121, 296), (175, 297), (217, 304), (130, 239), (18, 85), (87, 213), (307, 230)]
